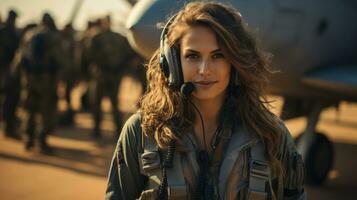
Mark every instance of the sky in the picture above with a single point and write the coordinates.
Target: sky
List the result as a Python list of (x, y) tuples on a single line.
[(32, 10)]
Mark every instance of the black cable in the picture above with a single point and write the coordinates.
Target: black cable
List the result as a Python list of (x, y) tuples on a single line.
[(203, 158), (167, 163), (202, 124), (203, 163)]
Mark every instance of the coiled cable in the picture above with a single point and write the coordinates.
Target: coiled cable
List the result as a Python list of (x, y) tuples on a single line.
[(167, 163)]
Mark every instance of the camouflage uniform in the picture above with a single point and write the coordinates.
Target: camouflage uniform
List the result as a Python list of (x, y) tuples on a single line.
[(40, 62), (85, 59), (109, 53), (68, 72), (9, 85)]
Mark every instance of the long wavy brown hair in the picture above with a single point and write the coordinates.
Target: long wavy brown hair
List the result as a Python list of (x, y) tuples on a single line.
[(165, 112)]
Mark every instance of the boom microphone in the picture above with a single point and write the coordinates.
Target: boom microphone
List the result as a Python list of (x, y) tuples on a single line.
[(187, 88)]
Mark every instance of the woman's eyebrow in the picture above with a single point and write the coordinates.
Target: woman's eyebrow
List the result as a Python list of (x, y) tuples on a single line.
[(194, 51), (216, 51)]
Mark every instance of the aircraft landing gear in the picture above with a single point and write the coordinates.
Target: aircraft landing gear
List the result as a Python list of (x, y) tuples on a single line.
[(316, 149), (319, 159)]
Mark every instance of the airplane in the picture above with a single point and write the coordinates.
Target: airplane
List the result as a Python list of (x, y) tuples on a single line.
[(314, 44)]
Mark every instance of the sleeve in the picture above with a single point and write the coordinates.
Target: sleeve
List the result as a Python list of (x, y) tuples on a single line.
[(294, 169), (125, 180)]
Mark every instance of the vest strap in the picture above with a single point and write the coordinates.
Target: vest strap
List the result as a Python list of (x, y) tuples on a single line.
[(240, 140), (149, 161), (259, 175), (176, 184)]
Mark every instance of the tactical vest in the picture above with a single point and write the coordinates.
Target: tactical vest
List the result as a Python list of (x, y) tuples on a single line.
[(177, 188)]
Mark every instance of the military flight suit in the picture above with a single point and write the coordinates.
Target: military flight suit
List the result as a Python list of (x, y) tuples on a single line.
[(130, 178)]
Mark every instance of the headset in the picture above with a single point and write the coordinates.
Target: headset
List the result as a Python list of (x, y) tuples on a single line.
[(170, 62)]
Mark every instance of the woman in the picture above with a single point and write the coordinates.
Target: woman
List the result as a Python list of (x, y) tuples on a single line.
[(215, 138)]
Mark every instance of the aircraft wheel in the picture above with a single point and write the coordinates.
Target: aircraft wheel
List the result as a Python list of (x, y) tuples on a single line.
[(319, 159)]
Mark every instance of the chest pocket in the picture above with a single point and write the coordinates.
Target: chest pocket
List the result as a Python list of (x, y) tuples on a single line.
[(243, 176), (151, 165)]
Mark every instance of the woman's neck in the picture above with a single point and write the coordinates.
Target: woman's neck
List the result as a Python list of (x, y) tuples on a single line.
[(209, 109)]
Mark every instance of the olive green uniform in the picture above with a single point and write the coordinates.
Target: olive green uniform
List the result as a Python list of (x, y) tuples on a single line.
[(40, 63), (69, 71), (127, 180), (109, 54), (9, 84), (85, 62)]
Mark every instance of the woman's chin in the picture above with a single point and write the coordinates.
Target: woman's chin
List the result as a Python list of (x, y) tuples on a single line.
[(205, 96)]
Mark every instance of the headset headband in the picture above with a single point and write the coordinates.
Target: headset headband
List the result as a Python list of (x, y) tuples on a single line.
[(170, 62)]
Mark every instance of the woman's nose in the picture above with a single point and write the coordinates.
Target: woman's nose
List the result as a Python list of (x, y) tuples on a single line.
[(204, 67)]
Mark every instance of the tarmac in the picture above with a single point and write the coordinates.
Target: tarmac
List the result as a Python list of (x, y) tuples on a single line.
[(79, 167)]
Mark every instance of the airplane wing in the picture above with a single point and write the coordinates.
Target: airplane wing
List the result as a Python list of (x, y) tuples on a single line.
[(337, 79)]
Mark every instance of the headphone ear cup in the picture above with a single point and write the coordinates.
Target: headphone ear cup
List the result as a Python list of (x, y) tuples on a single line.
[(170, 61), (164, 65), (172, 55)]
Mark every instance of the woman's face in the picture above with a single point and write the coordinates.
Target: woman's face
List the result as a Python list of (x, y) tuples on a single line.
[(204, 64)]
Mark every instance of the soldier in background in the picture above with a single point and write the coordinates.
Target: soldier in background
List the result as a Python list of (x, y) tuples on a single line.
[(41, 60), (9, 87), (109, 54), (85, 58), (68, 71)]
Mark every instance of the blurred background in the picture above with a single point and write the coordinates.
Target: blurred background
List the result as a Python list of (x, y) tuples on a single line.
[(31, 11), (69, 80)]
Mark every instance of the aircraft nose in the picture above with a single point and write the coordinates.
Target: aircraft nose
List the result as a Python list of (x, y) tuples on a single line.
[(143, 23), (144, 32)]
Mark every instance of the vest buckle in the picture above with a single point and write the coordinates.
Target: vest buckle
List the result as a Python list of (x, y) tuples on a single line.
[(260, 169)]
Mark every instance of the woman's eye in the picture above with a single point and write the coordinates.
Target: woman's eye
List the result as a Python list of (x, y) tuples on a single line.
[(191, 56), (218, 55)]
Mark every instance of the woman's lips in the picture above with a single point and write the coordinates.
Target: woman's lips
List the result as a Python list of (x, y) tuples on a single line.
[(204, 84)]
